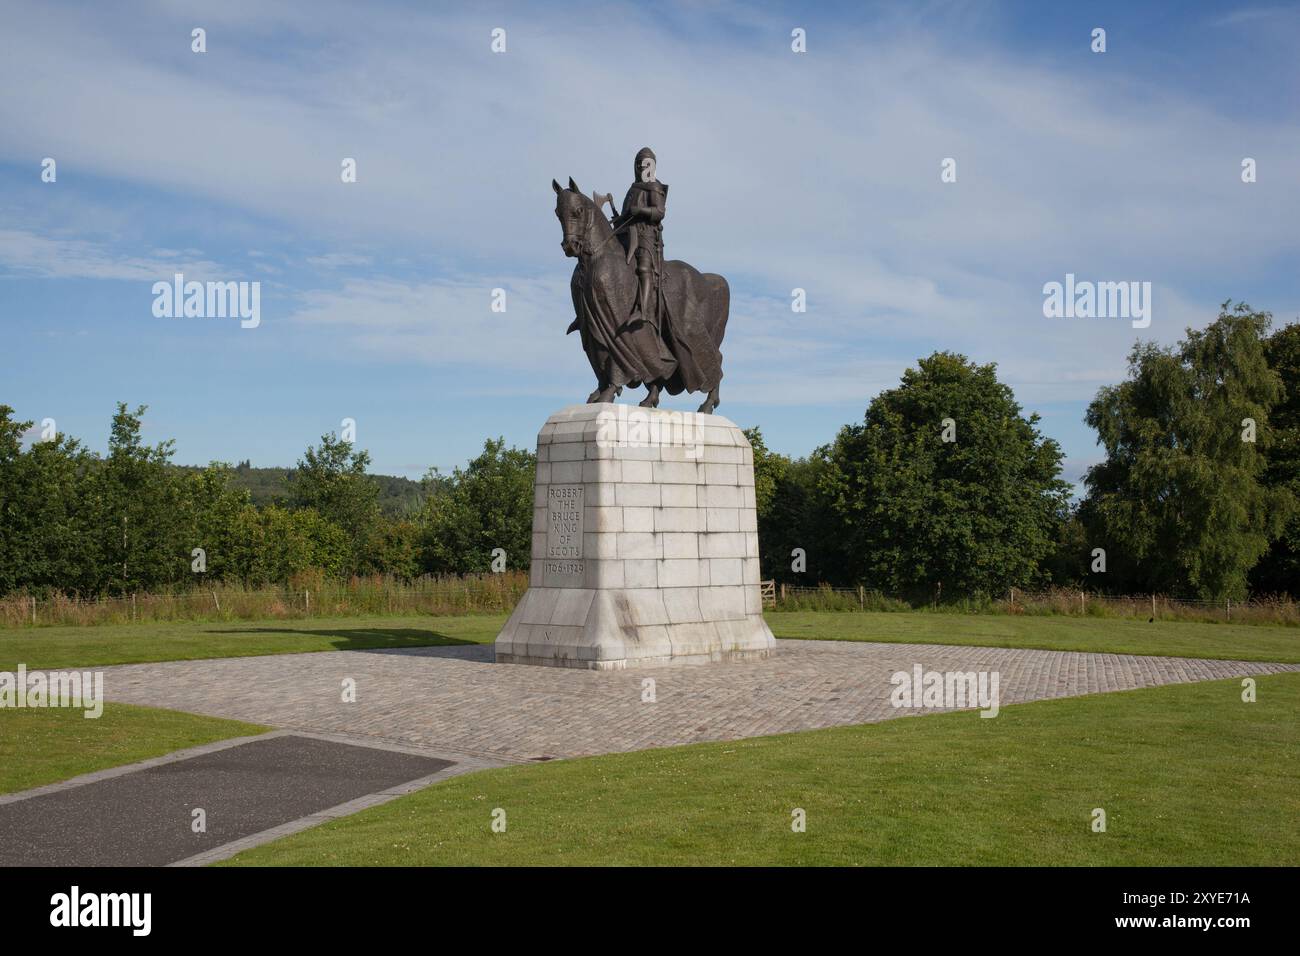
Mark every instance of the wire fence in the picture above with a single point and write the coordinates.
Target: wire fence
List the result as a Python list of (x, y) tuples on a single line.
[(1052, 601), (314, 596), (310, 597)]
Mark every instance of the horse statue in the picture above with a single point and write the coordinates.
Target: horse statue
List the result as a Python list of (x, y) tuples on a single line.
[(677, 347)]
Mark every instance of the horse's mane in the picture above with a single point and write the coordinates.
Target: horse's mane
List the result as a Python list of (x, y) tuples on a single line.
[(596, 200)]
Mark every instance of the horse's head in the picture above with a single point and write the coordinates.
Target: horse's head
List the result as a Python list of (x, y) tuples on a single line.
[(577, 214)]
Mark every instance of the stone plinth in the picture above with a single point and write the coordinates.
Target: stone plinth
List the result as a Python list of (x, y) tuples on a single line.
[(645, 543)]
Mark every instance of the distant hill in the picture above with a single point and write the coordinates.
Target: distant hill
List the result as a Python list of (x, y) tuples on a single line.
[(397, 496)]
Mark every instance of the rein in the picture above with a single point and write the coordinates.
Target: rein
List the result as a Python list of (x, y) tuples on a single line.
[(589, 221)]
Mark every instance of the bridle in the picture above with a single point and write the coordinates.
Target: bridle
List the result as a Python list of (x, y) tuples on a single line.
[(588, 220)]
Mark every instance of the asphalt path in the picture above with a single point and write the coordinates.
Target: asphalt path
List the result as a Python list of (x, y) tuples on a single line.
[(147, 817)]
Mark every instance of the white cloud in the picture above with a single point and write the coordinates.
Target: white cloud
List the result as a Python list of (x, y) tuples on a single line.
[(28, 254), (339, 260)]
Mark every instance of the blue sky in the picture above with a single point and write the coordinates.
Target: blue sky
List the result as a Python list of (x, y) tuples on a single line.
[(817, 170)]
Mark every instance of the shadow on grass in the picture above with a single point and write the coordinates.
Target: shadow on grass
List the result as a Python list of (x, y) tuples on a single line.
[(365, 638)]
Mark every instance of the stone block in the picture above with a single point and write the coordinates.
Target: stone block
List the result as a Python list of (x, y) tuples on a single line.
[(722, 544), (604, 519), (637, 495), (684, 573), (721, 496), (639, 519), (640, 544), (725, 571), (638, 472), (685, 545), (679, 519), (566, 471), (721, 519), (679, 496), (641, 573), (676, 472)]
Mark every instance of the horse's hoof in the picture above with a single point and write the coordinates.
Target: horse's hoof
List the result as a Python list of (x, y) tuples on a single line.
[(710, 403)]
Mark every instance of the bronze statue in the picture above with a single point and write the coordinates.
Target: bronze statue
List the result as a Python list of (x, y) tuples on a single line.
[(643, 212), (657, 323)]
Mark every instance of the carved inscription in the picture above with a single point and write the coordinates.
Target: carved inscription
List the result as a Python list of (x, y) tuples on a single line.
[(564, 567)]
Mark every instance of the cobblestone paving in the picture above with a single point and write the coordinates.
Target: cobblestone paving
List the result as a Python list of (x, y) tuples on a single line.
[(458, 699)]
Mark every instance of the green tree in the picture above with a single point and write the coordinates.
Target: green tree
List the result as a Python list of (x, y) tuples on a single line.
[(769, 470), (794, 513), (138, 500), (946, 484), (15, 495), (286, 543), (1279, 570), (332, 481), (48, 535), (1070, 562), (486, 505), (214, 507), (395, 548), (1179, 504)]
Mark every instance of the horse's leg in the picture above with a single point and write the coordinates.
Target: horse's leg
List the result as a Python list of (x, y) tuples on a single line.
[(651, 399), (710, 403)]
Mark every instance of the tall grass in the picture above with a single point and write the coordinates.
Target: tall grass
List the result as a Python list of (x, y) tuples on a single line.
[(1056, 601), (826, 598), (304, 597), (313, 595)]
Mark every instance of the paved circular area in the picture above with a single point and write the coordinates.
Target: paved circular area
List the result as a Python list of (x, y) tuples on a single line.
[(459, 699)]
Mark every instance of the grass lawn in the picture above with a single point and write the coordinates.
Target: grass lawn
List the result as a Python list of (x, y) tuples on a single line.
[(50, 648), (1242, 642), (1188, 775), (45, 745)]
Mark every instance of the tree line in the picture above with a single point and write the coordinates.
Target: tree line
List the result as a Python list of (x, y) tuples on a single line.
[(73, 521), (948, 488), (945, 489)]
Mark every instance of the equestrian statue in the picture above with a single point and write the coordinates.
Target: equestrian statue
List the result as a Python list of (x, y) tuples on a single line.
[(643, 321)]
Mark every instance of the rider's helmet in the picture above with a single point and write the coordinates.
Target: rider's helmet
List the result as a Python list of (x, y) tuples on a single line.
[(644, 153)]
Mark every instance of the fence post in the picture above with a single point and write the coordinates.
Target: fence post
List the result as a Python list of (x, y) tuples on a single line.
[(1229, 609), (862, 599), (33, 609), (133, 614), (1153, 604), (308, 595), (1082, 601)]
